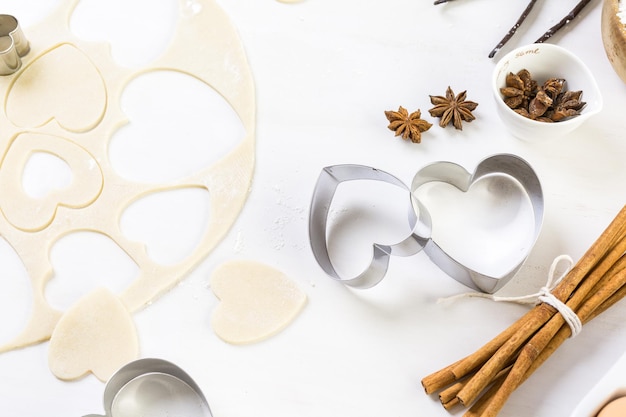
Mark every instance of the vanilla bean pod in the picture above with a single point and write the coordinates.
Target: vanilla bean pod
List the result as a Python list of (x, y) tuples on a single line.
[(512, 31), (441, 1), (568, 18)]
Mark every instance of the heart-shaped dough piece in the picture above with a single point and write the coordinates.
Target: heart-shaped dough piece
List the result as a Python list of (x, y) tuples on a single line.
[(96, 335), (62, 85), (257, 301), (34, 214)]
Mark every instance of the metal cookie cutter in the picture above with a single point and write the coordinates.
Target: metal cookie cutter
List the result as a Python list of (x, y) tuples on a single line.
[(13, 45), (419, 219), (153, 387), (327, 184)]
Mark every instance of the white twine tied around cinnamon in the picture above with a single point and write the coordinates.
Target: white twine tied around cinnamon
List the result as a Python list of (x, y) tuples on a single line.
[(544, 295)]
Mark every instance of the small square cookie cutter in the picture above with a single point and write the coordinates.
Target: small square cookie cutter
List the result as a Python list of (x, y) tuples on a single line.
[(13, 45), (420, 237), (153, 387)]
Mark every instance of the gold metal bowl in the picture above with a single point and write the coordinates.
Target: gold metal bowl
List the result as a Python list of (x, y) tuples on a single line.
[(614, 36)]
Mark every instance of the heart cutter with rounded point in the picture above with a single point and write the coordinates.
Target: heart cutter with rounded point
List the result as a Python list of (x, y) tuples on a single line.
[(419, 219), (151, 378)]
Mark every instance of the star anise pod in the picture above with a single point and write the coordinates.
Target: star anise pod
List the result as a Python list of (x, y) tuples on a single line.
[(539, 104), (551, 102), (553, 87), (545, 99), (410, 126), (451, 108), (567, 104), (519, 89)]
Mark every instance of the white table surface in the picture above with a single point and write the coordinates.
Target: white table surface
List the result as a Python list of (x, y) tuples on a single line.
[(325, 71)]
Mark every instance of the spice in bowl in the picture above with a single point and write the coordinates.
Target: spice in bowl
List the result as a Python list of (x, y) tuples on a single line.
[(549, 102), (551, 79)]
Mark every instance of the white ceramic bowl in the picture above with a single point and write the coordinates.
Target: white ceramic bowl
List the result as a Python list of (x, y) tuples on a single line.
[(545, 61)]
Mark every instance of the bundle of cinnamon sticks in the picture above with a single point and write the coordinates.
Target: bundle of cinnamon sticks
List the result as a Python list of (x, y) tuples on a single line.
[(483, 381)]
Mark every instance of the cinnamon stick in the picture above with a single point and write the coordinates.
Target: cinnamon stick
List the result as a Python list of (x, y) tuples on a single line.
[(610, 265), (530, 353), (440, 379), (463, 367), (474, 361), (449, 405), (596, 282), (449, 394), (561, 336), (596, 256), (481, 405), (485, 375)]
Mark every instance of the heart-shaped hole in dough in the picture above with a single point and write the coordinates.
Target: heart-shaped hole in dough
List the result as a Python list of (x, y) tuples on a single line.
[(138, 34), (43, 173), (83, 261), (14, 286), (487, 228), (178, 126), (181, 214)]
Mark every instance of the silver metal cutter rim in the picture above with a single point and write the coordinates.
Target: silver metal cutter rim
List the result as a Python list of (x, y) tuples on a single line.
[(13, 45), (147, 368), (419, 218)]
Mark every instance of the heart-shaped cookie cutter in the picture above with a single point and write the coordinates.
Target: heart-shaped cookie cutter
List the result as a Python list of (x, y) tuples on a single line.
[(138, 388), (419, 218), (13, 45)]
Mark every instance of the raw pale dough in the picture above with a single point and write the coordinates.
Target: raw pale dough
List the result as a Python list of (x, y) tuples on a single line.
[(256, 301), (94, 335), (47, 90), (34, 214), (61, 68)]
